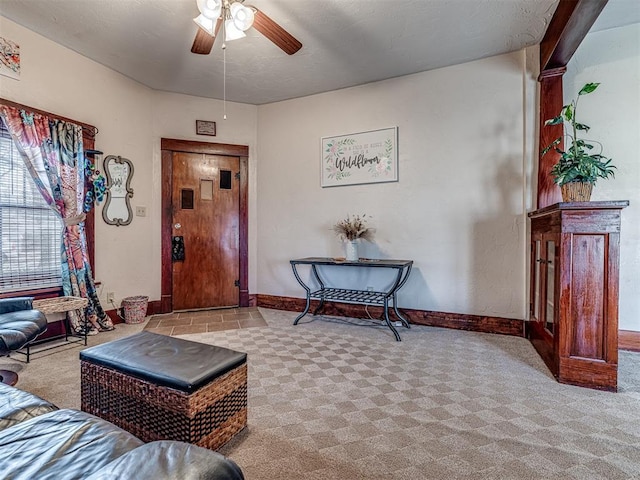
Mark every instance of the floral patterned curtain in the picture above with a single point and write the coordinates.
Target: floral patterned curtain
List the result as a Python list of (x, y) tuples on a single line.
[(53, 153)]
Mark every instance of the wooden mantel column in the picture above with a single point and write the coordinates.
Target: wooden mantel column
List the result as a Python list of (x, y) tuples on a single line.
[(551, 102), (569, 25)]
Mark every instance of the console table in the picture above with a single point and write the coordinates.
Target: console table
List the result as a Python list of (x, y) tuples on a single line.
[(401, 269)]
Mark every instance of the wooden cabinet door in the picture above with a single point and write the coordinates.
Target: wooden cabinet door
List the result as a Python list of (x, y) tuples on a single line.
[(550, 282), (544, 307)]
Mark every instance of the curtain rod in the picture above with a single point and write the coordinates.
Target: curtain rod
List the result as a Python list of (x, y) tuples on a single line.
[(87, 129)]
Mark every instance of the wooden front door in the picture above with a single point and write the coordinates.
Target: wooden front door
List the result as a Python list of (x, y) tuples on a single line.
[(205, 230)]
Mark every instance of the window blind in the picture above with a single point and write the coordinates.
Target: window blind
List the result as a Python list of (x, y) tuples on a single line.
[(30, 231)]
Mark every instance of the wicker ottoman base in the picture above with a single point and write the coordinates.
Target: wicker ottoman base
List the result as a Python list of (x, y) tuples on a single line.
[(208, 417)]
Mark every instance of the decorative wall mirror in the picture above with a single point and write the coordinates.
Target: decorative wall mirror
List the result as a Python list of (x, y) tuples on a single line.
[(117, 209)]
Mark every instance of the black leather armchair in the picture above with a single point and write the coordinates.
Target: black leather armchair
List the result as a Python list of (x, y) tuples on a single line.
[(20, 324)]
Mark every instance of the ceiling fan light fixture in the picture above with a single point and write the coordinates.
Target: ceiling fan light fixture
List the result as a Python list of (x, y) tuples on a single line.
[(210, 8), (242, 16), (207, 24), (231, 32)]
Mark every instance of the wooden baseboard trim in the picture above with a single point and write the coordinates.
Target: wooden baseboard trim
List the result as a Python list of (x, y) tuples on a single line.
[(113, 315), (629, 340), (459, 321), (253, 300), (155, 306)]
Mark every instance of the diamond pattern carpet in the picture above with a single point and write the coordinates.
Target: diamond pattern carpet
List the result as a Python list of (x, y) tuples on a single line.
[(336, 400)]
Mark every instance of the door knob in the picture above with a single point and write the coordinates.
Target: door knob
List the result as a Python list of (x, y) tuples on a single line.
[(177, 226)]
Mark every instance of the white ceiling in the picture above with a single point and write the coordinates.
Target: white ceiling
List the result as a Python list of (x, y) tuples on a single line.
[(346, 43)]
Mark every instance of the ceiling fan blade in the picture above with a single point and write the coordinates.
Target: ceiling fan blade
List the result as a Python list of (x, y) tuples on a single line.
[(275, 33), (203, 43)]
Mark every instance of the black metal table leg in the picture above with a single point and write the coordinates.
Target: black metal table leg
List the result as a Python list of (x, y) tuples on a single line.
[(404, 321), (305, 311), (389, 324), (314, 271), (308, 290), (404, 279), (86, 326)]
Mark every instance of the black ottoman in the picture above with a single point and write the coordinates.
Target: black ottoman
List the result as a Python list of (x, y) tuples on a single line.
[(164, 388)]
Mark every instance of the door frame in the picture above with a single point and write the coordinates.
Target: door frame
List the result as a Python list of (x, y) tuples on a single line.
[(168, 146)]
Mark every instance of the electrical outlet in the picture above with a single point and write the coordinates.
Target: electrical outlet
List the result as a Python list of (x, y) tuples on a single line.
[(369, 289), (110, 297), (141, 211), (397, 324)]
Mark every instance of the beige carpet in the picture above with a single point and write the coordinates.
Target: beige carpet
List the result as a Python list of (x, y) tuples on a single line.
[(333, 400)]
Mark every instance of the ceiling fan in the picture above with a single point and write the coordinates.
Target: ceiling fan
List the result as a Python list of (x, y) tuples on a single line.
[(235, 18)]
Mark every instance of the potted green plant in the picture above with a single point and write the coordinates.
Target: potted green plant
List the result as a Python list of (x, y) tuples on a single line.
[(579, 167)]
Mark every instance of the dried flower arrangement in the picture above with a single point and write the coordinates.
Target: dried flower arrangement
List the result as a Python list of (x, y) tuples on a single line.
[(353, 228)]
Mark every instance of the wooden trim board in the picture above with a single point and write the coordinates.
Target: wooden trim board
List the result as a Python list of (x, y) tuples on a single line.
[(475, 323), (629, 340)]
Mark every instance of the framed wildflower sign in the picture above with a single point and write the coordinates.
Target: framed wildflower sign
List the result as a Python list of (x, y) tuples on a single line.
[(365, 157)]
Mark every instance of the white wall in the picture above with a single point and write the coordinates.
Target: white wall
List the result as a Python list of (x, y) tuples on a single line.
[(458, 209), (612, 57), (131, 119), (465, 169), (174, 115)]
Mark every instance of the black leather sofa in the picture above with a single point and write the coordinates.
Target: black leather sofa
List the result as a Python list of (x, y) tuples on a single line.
[(37, 440)]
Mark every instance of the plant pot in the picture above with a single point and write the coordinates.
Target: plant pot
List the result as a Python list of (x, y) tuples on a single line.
[(351, 251), (576, 191)]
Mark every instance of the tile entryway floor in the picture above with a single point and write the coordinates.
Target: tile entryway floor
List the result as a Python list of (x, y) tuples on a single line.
[(202, 321)]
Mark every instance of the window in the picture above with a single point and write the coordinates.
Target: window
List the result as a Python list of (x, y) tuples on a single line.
[(30, 231)]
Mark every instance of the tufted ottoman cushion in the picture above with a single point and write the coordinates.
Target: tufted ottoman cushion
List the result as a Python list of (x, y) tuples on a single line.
[(165, 388)]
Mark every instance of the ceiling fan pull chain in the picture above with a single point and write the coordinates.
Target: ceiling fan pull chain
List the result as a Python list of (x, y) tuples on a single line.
[(224, 73), (224, 83)]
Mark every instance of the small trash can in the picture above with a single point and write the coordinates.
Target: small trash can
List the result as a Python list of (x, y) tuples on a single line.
[(134, 308)]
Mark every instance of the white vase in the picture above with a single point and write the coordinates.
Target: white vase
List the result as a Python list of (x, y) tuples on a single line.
[(351, 250)]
